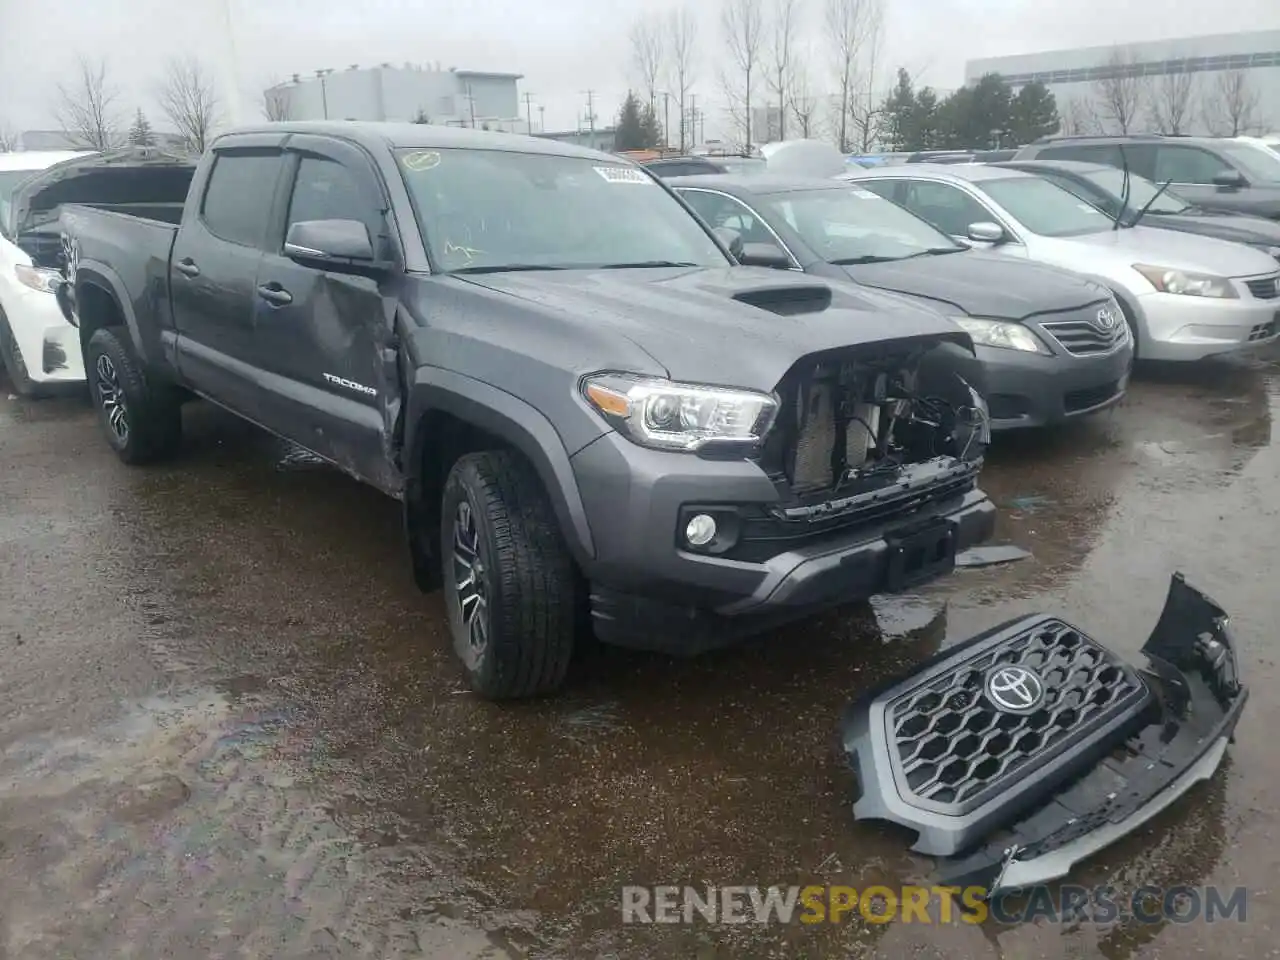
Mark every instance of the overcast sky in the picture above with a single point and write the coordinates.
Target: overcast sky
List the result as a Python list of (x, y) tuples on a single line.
[(563, 47)]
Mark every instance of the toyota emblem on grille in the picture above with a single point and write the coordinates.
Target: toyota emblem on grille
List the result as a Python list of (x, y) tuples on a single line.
[(1015, 689), (1106, 319)]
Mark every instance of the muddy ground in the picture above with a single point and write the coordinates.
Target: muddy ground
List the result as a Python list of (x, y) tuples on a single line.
[(231, 726)]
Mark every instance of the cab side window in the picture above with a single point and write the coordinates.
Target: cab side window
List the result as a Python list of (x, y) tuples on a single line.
[(948, 208), (237, 200), (1185, 164)]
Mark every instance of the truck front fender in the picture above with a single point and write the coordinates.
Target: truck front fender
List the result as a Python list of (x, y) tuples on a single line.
[(91, 273), (509, 419)]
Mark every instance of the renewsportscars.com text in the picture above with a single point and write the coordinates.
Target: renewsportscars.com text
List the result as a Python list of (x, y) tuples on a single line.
[(917, 904)]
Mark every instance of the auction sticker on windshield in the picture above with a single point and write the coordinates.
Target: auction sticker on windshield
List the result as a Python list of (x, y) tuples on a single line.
[(623, 175), (421, 160)]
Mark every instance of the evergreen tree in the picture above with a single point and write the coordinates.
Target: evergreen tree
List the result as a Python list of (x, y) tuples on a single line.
[(899, 114), (1034, 114), (631, 132), (925, 133), (141, 134)]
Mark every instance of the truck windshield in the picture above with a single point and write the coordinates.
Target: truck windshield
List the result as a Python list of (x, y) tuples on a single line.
[(1045, 208), (493, 210), (854, 225)]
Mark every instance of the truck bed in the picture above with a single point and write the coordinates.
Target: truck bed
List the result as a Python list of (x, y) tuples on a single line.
[(134, 249)]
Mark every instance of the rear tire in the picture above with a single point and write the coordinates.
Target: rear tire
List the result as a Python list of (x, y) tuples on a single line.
[(15, 365), (143, 423), (509, 582)]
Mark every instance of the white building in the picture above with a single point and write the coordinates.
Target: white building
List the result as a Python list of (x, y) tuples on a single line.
[(388, 93), (1212, 76)]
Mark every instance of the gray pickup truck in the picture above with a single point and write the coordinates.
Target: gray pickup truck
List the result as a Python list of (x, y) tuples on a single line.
[(585, 406)]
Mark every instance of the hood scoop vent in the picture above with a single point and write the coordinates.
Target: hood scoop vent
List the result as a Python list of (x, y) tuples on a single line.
[(787, 300)]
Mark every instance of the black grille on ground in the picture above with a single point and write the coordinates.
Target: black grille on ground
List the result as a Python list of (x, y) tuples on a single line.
[(955, 749), (1262, 331), (1084, 338), (1268, 288)]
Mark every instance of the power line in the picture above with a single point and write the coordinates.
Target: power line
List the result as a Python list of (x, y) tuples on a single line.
[(591, 111)]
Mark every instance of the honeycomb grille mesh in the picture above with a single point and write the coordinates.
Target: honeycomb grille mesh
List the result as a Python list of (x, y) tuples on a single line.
[(955, 747)]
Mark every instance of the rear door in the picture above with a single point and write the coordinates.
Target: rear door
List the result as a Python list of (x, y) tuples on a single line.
[(213, 270), (323, 339)]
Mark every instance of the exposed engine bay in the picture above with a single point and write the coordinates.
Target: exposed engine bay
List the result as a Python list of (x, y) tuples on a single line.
[(850, 426)]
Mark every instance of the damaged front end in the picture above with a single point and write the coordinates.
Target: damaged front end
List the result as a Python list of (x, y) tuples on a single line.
[(1022, 751), (888, 436)]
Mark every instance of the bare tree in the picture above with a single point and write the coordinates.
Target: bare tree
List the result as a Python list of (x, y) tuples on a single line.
[(1171, 102), (867, 111), (1078, 117), (1122, 93), (647, 49), (189, 99), (276, 103), (849, 26), (682, 37), (1231, 108), (742, 24), (804, 105), (86, 108), (8, 138), (784, 26)]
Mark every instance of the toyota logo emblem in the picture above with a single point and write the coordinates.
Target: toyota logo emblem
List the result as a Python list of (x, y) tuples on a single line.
[(1106, 319), (1015, 689)]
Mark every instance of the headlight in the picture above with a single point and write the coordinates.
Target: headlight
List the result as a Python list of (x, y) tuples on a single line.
[(997, 333), (1169, 280), (679, 416), (38, 278)]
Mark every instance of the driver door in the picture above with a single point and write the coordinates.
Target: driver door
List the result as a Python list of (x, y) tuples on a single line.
[(721, 210), (323, 338)]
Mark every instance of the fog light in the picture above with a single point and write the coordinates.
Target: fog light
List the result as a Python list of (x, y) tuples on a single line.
[(701, 530)]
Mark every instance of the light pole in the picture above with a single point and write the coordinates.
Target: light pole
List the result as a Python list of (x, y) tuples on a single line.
[(666, 121), (324, 92)]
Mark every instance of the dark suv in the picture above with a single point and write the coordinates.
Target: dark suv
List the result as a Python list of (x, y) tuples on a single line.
[(1215, 174)]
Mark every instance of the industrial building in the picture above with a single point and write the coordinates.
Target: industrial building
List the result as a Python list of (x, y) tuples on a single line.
[(449, 96), (1237, 73)]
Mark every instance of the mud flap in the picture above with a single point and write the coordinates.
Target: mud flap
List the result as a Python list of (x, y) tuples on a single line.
[(1028, 748)]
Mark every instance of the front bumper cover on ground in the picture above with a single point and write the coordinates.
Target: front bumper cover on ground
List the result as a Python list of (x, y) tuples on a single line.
[(1020, 752)]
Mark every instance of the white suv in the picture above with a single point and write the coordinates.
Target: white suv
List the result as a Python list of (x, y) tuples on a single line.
[(38, 348)]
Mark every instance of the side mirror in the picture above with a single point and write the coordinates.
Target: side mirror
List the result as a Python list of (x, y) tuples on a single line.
[(984, 231), (1230, 179), (764, 255), (330, 244), (732, 240)]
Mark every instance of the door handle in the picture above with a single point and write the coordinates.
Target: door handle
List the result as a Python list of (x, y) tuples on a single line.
[(187, 267), (275, 294)]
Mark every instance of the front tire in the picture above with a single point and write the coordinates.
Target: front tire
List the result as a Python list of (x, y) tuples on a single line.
[(142, 423), (509, 583)]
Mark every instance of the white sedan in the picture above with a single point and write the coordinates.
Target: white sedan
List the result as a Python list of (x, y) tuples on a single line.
[(1185, 297), (38, 348)]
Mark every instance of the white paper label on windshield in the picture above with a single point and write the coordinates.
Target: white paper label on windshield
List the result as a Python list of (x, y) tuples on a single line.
[(624, 175), (865, 194)]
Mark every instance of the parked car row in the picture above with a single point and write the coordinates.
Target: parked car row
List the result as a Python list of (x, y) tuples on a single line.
[(690, 406)]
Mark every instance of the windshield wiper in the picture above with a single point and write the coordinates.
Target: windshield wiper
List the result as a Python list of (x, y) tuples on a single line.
[(1124, 189), (865, 258), (934, 252), (505, 268), (640, 264), (1147, 206)]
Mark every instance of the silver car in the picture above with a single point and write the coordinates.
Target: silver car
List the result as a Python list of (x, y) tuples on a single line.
[(1185, 297)]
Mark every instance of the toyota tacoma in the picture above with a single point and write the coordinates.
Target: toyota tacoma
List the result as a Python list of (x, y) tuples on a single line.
[(590, 413)]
